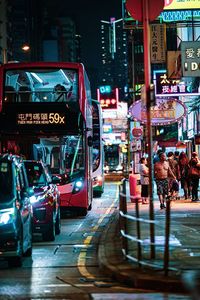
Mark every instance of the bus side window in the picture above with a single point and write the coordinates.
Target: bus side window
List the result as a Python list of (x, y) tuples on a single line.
[(25, 94), (10, 94)]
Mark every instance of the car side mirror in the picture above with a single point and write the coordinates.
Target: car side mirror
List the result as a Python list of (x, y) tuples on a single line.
[(56, 180), (29, 191)]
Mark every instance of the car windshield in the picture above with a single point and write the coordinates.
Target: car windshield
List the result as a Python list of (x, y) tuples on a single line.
[(36, 173), (6, 180)]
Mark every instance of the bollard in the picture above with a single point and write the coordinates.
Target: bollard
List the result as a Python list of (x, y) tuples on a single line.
[(134, 194), (123, 209), (139, 248), (167, 236)]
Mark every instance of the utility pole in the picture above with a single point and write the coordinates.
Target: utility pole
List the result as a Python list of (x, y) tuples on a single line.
[(145, 11)]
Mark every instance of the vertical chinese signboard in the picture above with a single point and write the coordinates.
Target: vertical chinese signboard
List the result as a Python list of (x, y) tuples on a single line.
[(158, 43)]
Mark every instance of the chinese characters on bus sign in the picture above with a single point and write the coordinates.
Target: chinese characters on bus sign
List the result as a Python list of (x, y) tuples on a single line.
[(190, 56), (165, 86), (40, 118)]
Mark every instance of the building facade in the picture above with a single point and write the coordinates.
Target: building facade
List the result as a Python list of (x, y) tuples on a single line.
[(114, 58)]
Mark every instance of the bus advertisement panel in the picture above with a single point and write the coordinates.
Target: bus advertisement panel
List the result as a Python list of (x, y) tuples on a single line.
[(46, 114)]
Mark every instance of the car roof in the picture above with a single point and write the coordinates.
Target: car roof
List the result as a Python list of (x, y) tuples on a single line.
[(11, 157)]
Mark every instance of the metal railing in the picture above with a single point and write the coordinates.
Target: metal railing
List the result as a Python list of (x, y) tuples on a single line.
[(130, 228)]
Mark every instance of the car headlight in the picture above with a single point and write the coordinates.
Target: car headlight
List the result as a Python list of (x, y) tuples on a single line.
[(6, 216), (78, 184), (34, 199)]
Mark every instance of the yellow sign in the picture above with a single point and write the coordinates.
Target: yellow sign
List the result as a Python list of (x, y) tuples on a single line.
[(181, 4)]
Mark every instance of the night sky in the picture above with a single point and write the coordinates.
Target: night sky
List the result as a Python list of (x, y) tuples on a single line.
[(88, 14)]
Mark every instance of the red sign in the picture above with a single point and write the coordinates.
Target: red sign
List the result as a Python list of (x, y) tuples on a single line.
[(135, 8), (137, 132), (108, 100)]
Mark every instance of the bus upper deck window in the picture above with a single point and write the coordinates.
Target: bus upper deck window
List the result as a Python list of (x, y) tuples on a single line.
[(10, 94), (24, 94)]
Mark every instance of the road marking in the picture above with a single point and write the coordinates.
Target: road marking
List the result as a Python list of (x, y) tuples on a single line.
[(82, 256)]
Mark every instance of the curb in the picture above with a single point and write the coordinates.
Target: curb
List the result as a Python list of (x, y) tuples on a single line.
[(113, 264)]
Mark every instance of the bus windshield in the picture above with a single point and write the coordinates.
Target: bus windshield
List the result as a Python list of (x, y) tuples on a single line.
[(41, 85), (64, 155)]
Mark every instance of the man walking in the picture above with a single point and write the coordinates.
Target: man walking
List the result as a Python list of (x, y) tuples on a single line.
[(161, 172)]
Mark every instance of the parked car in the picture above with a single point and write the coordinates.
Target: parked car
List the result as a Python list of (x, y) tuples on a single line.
[(16, 215), (46, 200)]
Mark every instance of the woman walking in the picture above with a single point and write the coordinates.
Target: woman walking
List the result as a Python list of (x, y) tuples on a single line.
[(194, 175), (144, 179), (183, 162)]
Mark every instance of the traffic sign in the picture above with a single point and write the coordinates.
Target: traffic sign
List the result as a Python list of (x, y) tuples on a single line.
[(135, 8)]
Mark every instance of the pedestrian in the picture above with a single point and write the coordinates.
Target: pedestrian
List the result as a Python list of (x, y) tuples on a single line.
[(144, 179), (161, 173), (156, 156), (194, 164), (174, 176), (184, 178), (176, 155)]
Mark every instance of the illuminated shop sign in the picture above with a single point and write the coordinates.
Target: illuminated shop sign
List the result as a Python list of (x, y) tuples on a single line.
[(108, 100), (107, 128), (181, 4), (190, 57), (166, 87), (105, 89), (179, 15), (48, 118), (167, 111), (173, 11)]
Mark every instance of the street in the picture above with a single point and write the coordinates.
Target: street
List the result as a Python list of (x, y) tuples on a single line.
[(68, 267)]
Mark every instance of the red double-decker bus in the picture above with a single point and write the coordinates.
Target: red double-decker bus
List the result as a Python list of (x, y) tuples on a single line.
[(46, 114)]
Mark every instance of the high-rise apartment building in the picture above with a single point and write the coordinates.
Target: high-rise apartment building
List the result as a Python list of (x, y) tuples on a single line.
[(114, 58), (30, 22)]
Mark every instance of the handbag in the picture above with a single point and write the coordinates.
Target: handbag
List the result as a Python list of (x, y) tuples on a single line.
[(194, 172)]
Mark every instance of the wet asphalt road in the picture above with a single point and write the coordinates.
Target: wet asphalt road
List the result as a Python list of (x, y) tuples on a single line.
[(68, 267)]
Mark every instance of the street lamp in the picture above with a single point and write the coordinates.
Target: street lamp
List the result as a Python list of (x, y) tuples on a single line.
[(25, 47)]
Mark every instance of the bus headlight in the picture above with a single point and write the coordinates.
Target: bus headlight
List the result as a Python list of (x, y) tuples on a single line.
[(78, 184), (6, 216), (34, 199)]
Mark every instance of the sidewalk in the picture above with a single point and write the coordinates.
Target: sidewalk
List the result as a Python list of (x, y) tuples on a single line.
[(184, 250)]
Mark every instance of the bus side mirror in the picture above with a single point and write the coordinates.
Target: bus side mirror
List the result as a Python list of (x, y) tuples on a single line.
[(90, 141)]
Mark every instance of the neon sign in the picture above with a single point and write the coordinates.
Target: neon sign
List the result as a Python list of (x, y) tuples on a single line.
[(174, 10), (166, 87), (167, 111), (108, 100), (183, 4)]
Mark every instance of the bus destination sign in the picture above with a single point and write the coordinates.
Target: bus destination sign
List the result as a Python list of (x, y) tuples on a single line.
[(41, 118)]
